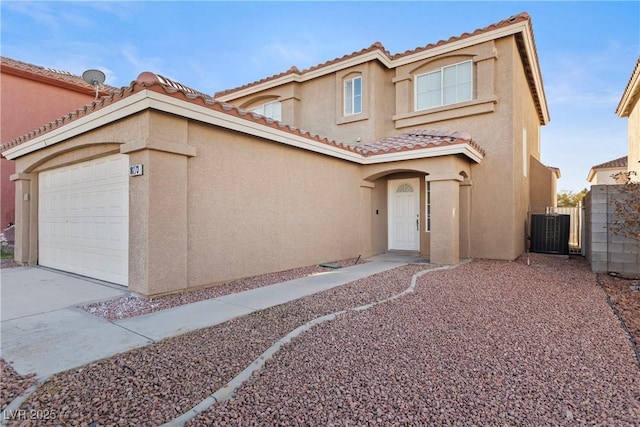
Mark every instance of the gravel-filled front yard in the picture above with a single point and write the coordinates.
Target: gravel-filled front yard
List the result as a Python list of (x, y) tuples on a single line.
[(486, 343)]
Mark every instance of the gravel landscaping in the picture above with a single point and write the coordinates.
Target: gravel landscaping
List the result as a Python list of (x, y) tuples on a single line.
[(13, 384), (486, 343), (133, 305)]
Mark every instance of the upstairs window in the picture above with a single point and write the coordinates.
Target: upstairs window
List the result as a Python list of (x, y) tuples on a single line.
[(445, 86), (353, 96), (271, 109)]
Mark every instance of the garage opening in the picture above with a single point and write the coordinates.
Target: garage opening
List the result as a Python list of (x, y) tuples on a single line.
[(83, 218)]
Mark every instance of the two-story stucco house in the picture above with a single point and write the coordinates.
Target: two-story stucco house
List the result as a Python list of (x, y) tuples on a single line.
[(159, 187)]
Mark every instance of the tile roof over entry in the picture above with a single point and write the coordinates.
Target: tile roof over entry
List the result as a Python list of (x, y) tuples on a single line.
[(414, 140), (409, 141)]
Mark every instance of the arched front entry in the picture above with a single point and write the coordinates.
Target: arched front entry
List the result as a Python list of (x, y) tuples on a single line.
[(421, 207)]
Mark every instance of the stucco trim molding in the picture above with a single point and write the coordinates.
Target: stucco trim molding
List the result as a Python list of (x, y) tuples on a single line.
[(166, 146), (148, 99), (20, 176)]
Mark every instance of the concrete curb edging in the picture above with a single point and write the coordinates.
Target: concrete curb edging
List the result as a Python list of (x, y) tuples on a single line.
[(228, 390), (16, 403)]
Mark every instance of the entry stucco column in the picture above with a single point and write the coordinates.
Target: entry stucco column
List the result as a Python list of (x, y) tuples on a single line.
[(445, 219), (366, 245), (23, 224), (158, 234), (158, 223)]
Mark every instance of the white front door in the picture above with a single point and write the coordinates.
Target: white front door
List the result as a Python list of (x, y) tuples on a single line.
[(83, 218), (404, 214)]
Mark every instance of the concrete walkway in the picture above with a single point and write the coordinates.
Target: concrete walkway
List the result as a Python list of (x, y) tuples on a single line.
[(43, 331)]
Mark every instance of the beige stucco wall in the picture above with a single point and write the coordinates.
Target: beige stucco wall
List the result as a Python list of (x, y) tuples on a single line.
[(500, 114), (633, 129), (256, 206)]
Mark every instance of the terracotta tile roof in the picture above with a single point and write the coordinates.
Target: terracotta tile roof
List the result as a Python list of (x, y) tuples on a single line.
[(621, 162), (378, 46), (415, 140), (13, 66), (631, 93), (412, 140), (160, 84)]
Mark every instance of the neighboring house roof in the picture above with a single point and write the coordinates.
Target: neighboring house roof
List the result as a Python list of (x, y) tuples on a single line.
[(616, 164), (555, 170), (518, 25), (420, 144), (59, 78), (631, 93)]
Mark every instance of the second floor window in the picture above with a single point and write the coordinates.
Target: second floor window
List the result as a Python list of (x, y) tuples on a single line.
[(353, 96), (445, 86), (272, 110)]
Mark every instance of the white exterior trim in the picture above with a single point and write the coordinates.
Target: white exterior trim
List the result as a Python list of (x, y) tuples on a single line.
[(521, 27), (147, 99)]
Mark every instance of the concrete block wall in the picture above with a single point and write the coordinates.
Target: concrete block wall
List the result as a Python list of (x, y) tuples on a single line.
[(606, 251)]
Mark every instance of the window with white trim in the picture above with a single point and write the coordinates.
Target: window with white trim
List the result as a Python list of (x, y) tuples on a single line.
[(271, 109), (448, 85), (353, 96)]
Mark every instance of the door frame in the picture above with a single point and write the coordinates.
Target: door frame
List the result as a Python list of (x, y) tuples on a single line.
[(392, 186)]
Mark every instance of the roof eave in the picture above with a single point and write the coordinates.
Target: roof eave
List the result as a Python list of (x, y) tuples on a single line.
[(631, 93), (51, 81)]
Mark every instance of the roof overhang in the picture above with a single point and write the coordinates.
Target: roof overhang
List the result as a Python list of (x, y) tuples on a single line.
[(631, 93), (522, 30), (149, 99)]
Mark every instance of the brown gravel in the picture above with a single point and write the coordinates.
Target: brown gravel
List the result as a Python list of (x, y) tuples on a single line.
[(159, 382), (625, 300), (13, 384), (486, 343), (489, 343), (134, 305)]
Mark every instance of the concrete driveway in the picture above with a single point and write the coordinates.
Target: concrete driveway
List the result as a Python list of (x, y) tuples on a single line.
[(43, 331)]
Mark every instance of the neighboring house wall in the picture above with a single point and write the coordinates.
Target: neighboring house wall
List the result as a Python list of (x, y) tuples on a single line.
[(543, 192), (28, 101), (606, 251), (605, 176)]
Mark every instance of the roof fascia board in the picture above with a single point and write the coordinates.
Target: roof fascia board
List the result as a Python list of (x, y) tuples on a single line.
[(632, 88), (446, 150), (310, 75), (147, 99), (49, 80)]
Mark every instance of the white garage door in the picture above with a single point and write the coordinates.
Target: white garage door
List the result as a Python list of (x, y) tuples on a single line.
[(83, 218)]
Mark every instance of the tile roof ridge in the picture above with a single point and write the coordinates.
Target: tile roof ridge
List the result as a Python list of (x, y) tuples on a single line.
[(619, 162), (294, 70), (521, 17), (61, 75)]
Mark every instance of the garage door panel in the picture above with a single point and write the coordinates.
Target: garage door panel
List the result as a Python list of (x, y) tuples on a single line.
[(84, 218)]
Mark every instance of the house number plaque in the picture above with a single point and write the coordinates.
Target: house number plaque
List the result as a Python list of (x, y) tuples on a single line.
[(135, 170)]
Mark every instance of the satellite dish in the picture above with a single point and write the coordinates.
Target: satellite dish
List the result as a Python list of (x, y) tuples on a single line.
[(95, 78)]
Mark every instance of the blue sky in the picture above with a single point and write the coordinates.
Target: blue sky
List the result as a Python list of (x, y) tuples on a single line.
[(587, 50)]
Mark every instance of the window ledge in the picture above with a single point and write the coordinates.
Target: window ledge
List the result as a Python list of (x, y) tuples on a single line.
[(352, 118), (446, 112)]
